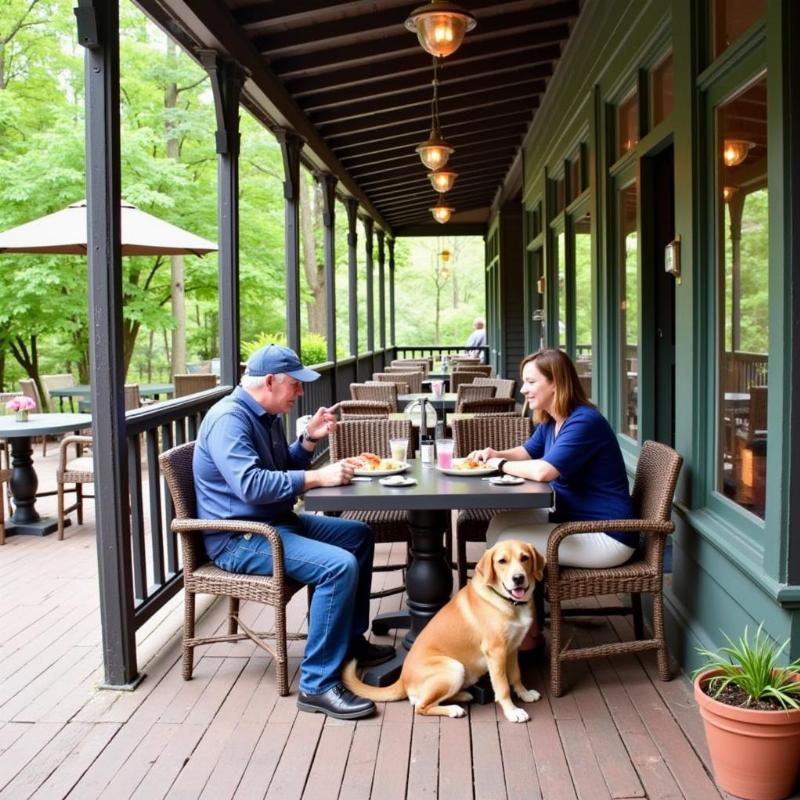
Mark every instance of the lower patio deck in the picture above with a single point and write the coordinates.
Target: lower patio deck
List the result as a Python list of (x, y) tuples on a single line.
[(618, 732)]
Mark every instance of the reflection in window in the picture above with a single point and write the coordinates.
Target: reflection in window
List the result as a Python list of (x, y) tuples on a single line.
[(561, 271), (743, 294), (627, 125), (731, 19), (583, 301), (629, 305), (662, 90)]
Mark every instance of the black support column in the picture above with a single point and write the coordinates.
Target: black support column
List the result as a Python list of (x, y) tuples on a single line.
[(368, 245), (392, 332), (327, 183), (291, 144), (351, 207), (382, 291), (227, 80), (98, 32)]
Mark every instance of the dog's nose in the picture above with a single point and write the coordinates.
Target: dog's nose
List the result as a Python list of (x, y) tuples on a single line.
[(518, 579)]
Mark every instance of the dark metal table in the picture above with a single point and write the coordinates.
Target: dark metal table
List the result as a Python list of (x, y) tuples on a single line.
[(446, 403), (82, 391), (429, 580), (24, 481)]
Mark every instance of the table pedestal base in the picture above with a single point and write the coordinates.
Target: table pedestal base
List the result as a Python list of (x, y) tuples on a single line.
[(40, 527)]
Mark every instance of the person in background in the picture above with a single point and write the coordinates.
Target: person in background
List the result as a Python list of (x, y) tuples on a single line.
[(245, 469), (477, 339), (573, 448)]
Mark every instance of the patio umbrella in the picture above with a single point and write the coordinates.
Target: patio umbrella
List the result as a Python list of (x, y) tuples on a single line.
[(64, 232)]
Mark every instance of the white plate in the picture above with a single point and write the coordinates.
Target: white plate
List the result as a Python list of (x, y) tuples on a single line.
[(506, 480), (377, 473), (396, 481), (466, 473)]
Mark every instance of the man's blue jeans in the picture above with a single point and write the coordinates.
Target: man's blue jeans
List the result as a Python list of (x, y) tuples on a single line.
[(335, 557)]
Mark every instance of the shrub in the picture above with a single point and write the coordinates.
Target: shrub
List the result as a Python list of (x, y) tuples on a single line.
[(313, 347)]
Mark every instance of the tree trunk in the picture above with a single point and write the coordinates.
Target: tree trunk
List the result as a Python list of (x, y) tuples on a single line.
[(28, 358), (314, 270)]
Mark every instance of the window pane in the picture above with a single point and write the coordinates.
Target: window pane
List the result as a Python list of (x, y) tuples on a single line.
[(731, 19), (561, 195), (629, 317), (627, 125), (575, 178), (562, 290), (662, 90), (743, 297), (583, 301)]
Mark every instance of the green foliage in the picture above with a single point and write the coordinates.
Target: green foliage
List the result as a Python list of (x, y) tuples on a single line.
[(313, 347), (752, 666)]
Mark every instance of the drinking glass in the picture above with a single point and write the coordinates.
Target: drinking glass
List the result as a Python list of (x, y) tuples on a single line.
[(444, 453), (398, 449)]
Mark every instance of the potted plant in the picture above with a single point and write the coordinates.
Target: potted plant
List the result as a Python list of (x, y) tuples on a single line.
[(22, 406), (751, 716)]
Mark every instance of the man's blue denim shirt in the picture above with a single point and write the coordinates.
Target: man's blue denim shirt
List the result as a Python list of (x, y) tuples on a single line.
[(243, 466)]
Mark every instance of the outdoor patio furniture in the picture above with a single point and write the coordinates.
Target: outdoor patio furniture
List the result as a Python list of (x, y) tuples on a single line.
[(60, 381), (30, 389), (504, 386), (350, 409), (5, 475), (193, 382), (372, 435), (425, 363), (750, 457), (460, 377), (202, 577), (476, 433), (401, 386), (653, 489), (486, 370), (78, 470), (382, 392), (468, 391), (490, 405), (413, 379)]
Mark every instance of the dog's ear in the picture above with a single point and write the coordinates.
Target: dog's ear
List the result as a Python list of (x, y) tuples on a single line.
[(538, 563), (485, 567)]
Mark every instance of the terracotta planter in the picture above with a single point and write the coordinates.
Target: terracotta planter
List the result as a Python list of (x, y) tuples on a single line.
[(755, 754)]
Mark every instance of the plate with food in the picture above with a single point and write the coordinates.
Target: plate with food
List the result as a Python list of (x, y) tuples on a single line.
[(397, 481), (373, 466), (467, 466)]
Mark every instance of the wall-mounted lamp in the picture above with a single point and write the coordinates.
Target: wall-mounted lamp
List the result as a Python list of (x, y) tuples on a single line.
[(440, 27), (734, 151)]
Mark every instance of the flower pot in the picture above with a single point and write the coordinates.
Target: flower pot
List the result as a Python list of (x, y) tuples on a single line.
[(755, 754), (22, 415)]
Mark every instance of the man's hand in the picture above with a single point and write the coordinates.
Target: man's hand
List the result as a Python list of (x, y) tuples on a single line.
[(484, 455), (332, 475), (321, 424)]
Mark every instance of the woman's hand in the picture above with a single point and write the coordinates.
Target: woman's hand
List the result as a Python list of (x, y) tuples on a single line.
[(483, 455)]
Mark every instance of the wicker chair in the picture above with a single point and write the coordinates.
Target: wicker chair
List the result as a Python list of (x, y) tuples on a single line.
[(463, 376), (5, 475), (356, 409), (653, 489), (501, 433), (491, 405), (60, 381), (468, 391), (454, 360), (372, 435), (202, 577), (30, 389), (413, 379), (504, 386), (193, 382), (380, 392), (401, 386), (486, 370), (415, 367), (425, 363)]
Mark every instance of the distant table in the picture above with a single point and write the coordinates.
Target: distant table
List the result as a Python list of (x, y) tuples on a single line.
[(446, 403), (24, 481), (82, 391), (429, 578)]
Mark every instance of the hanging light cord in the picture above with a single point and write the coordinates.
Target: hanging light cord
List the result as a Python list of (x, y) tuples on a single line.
[(435, 100)]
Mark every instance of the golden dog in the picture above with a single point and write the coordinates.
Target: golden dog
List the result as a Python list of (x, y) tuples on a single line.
[(479, 630)]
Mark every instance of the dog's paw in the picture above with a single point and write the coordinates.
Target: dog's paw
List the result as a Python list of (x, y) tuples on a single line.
[(455, 711), (515, 714), (528, 695)]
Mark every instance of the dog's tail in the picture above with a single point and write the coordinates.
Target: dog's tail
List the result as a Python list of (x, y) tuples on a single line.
[(396, 691)]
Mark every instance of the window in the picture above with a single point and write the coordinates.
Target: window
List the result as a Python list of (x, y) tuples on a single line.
[(731, 19), (575, 187), (628, 249), (561, 272), (583, 300), (743, 296), (627, 125), (661, 90)]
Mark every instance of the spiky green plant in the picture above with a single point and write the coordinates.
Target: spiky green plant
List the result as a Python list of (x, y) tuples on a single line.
[(752, 667)]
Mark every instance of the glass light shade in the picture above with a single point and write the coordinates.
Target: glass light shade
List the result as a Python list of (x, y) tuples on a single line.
[(441, 212), (734, 151), (442, 181), (445, 255), (435, 152), (728, 192), (440, 27)]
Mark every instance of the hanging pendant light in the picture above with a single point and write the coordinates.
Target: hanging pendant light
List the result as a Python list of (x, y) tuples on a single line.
[(441, 211), (442, 180), (440, 27), (734, 151), (435, 151)]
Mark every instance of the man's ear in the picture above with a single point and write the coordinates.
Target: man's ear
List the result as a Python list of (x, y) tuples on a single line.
[(485, 567)]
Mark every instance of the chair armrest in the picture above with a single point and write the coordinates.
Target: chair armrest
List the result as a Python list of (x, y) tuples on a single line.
[(237, 526), (75, 439), (560, 532)]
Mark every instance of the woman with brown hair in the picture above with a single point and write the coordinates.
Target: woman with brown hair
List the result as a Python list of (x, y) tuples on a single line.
[(573, 448)]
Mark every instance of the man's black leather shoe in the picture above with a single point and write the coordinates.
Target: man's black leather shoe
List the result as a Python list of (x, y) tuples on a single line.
[(368, 654), (337, 702)]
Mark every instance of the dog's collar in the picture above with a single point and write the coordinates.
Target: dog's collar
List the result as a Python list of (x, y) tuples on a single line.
[(510, 599)]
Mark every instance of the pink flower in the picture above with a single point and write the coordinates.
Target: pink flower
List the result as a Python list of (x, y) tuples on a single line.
[(21, 403)]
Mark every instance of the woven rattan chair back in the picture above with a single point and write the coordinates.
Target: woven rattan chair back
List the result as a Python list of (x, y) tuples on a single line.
[(30, 389), (414, 363), (454, 360), (486, 370), (413, 379), (352, 437), (468, 391), (653, 490), (504, 386), (354, 409), (476, 433), (415, 367), (491, 405), (60, 381), (202, 577), (380, 392), (193, 382), (462, 377)]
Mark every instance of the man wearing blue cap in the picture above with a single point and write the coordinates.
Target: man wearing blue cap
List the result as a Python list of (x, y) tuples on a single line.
[(245, 469)]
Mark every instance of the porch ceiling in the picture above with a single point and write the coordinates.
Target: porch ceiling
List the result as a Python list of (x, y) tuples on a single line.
[(356, 85)]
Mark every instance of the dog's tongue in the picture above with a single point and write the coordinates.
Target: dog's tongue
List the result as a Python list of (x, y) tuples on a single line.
[(518, 593)]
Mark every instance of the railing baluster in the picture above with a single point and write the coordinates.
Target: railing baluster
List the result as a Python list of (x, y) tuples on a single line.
[(137, 518), (153, 482)]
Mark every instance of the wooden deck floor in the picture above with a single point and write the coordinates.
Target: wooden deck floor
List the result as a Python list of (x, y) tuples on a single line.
[(618, 732)]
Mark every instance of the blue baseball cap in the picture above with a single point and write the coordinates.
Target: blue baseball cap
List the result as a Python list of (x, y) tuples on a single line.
[(275, 359)]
